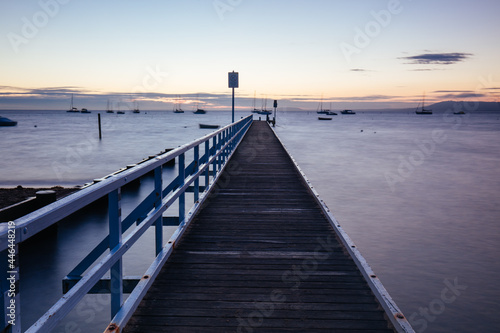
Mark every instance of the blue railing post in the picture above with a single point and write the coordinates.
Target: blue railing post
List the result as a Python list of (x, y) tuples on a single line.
[(159, 197), (226, 150), (233, 143), (214, 148), (115, 238), (182, 180), (207, 172), (196, 168), (219, 145)]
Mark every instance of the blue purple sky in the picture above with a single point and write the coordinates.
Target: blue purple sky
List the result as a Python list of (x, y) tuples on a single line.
[(356, 54)]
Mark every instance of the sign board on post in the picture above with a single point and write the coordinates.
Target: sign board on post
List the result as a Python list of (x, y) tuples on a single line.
[(233, 79)]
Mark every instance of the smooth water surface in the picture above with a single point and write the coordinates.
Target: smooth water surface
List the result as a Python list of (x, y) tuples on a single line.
[(417, 194)]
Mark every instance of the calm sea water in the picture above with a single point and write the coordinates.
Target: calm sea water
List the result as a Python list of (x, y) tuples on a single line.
[(417, 194)]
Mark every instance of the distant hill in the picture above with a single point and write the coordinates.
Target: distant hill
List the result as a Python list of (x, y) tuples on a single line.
[(466, 106)]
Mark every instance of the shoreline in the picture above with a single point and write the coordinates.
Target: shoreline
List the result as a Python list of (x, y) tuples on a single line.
[(11, 196)]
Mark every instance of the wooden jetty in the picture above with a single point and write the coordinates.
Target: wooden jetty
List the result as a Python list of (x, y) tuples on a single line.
[(264, 254)]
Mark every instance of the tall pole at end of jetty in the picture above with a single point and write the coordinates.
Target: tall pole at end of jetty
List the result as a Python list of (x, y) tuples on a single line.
[(233, 83), (233, 109)]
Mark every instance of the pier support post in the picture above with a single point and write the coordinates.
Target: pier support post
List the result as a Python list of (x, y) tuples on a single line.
[(43, 198)]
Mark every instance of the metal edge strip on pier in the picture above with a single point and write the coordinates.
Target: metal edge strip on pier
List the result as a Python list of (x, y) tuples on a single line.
[(394, 314)]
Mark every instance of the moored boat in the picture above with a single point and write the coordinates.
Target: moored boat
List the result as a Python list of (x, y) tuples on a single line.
[(208, 126), (320, 107), (109, 109), (264, 109), (423, 110), (254, 110), (177, 106), (198, 110), (7, 122), (72, 108), (347, 112)]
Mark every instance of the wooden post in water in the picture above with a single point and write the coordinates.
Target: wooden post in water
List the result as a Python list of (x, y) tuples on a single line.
[(99, 124)]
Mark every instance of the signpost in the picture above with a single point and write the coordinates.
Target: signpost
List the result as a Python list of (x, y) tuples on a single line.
[(275, 106), (233, 83)]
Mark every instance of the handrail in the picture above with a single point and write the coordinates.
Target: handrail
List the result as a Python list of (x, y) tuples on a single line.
[(147, 213)]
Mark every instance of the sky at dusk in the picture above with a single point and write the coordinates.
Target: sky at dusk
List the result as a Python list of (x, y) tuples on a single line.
[(356, 54)]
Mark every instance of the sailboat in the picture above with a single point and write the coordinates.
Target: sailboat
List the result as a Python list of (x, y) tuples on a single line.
[(177, 106), (198, 110), (119, 109), (136, 107), (109, 109), (423, 110), (71, 108), (264, 108), (254, 110), (331, 113), (320, 107)]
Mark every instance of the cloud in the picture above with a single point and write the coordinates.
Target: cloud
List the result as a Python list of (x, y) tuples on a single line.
[(457, 94), (359, 70), (369, 98), (437, 58), (426, 69), (452, 91)]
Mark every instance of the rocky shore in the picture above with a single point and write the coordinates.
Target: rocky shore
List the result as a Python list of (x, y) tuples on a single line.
[(10, 196)]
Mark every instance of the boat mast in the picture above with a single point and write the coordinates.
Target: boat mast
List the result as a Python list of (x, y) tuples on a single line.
[(253, 101)]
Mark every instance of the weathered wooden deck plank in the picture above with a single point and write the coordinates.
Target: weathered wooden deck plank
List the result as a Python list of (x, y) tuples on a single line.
[(259, 257)]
